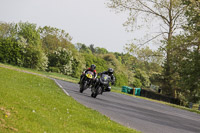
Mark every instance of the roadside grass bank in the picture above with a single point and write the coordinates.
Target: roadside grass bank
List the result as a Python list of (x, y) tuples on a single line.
[(31, 103), (42, 73)]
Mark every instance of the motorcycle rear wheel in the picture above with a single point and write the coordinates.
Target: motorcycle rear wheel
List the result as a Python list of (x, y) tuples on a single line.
[(81, 89), (94, 95)]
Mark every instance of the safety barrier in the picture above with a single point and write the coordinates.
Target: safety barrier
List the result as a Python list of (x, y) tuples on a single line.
[(149, 94)]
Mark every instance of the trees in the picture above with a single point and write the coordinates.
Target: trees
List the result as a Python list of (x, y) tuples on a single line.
[(29, 32), (145, 55), (186, 62), (21, 45), (101, 65), (99, 50), (190, 76), (83, 48), (52, 38), (6, 30), (57, 45), (145, 64), (10, 52), (193, 27), (61, 60), (170, 13), (92, 48), (186, 53), (28, 35), (122, 74)]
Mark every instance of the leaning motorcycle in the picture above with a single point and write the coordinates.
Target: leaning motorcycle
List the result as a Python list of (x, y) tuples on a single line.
[(101, 84), (86, 81)]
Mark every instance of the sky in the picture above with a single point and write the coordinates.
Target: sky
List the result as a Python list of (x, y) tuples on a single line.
[(87, 21)]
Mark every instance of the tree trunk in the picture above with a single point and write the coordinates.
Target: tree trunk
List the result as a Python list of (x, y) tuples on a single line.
[(168, 75)]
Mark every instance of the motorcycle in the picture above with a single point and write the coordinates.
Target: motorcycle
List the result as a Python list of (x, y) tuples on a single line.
[(101, 84), (86, 81)]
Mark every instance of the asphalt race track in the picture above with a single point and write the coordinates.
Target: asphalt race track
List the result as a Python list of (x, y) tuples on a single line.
[(139, 114)]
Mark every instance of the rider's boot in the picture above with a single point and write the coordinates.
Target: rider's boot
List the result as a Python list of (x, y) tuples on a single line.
[(108, 89)]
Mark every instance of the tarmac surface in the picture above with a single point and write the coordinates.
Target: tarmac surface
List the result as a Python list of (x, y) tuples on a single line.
[(143, 115)]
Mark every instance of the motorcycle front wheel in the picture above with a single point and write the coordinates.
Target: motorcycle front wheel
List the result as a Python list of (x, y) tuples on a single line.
[(83, 87)]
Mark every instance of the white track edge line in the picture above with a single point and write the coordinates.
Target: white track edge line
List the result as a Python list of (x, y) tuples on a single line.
[(62, 87)]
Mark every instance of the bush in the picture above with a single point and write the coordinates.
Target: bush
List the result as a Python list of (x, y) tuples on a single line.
[(101, 65), (77, 66), (10, 52), (17, 52), (143, 77), (121, 79), (62, 59), (137, 83), (20, 45), (54, 69)]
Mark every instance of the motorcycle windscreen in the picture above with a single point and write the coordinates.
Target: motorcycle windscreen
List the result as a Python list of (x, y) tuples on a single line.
[(90, 74), (105, 79)]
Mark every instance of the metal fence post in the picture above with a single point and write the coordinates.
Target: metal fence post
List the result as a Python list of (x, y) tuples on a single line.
[(190, 104)]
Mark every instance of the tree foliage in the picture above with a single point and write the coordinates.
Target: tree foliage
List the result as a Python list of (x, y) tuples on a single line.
[(170, 13), (52, 38), (186, 55), (62, 60), (21, 45), (10, 52)]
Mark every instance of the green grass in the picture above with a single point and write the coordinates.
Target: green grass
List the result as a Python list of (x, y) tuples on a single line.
[(42, 73), (116, 89), (31, 103)]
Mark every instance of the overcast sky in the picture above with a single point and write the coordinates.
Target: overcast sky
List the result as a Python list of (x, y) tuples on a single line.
[(87, 21)]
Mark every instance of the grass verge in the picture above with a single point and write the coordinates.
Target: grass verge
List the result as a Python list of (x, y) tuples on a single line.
[(31, 103), (42, 73)]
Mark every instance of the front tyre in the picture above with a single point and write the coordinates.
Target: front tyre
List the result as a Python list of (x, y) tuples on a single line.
[(83, 87)]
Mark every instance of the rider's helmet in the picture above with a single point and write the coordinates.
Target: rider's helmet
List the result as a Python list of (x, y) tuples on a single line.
[(92, 67), (110, 71)]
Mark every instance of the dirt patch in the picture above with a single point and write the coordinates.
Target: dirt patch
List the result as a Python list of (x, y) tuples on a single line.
[(6, 113), (7, 127)]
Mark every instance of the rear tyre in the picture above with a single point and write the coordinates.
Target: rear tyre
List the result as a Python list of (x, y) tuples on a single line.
[(81, 89), (100, 90), (94, 95)]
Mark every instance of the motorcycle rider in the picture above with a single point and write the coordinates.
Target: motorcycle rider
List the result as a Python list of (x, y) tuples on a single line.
[(109, 73), (92, 69)]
